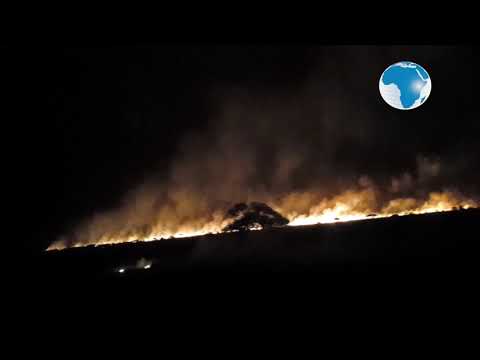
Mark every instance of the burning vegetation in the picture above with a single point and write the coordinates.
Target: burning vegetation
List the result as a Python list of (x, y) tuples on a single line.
[(287, 159), (254, 216), (295, 209)]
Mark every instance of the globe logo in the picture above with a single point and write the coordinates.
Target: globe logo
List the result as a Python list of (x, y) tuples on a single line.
[(405, 85)]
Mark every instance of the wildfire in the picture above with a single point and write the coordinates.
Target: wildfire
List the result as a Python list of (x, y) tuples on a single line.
[(346, 210), (300, 209)]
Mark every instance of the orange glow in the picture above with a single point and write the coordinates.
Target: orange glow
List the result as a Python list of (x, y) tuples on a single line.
[(352, 206), (300, 208)]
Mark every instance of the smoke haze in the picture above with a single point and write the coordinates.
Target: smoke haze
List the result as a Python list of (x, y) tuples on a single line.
[(322, 137)]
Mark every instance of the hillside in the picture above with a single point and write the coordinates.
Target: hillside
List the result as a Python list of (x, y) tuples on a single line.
[(440, 242)]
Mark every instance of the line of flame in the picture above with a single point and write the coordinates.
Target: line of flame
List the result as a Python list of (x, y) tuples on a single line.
[(349, 206)]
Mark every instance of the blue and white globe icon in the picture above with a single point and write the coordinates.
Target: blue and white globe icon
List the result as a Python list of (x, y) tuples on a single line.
[(405, 85)]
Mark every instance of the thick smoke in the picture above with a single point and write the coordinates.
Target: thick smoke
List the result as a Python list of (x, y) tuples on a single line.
[(300, 148)]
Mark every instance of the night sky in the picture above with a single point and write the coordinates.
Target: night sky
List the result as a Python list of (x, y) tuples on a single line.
[(110, 117)]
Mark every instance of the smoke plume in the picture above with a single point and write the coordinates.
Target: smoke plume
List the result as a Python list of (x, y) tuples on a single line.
[(315, 150)]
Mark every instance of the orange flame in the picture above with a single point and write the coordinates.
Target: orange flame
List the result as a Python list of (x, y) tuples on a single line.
[(360, 205), (300, 208)]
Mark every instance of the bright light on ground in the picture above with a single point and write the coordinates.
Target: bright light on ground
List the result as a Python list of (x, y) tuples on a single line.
[(144, 264), (121, 270)]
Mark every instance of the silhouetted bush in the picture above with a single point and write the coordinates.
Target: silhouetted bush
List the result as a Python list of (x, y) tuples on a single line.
[(252, 216)]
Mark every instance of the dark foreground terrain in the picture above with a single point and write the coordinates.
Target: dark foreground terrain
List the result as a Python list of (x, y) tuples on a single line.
[(405, 274), (441, 245), (407, 265)]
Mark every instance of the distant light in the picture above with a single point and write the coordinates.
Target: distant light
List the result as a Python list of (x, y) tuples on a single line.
[(148, 266), (121, 270)]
